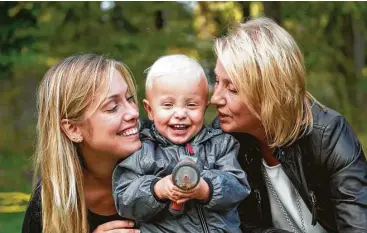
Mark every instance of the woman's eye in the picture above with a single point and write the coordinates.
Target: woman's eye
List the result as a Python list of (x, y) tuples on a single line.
[(112, 109), (232, 89), (130, 98)]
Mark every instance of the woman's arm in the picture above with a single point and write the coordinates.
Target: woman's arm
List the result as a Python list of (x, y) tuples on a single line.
[(345, 161)]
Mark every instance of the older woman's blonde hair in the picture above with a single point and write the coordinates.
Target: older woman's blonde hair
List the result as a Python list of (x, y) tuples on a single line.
[(267, 68), (66, 91)]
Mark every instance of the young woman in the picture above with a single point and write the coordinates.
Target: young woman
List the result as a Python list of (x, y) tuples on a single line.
[(87, 122), (305, 165)]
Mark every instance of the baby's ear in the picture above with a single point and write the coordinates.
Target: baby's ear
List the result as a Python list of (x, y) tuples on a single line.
[(148, 109)]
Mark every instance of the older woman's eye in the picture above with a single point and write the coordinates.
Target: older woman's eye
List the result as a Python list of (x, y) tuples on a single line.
[(130, 98), (232, 89)]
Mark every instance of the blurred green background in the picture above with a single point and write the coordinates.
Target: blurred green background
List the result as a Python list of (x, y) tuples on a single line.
[(36, 35)]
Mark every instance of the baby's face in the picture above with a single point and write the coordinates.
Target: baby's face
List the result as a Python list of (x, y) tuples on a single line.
[(177, 107)]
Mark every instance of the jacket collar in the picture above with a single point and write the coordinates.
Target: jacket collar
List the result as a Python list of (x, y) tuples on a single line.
[(153, 135)]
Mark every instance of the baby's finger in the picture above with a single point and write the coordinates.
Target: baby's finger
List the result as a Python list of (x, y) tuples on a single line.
[(183, 195), (182, 201), (171, 197), (177, 189)]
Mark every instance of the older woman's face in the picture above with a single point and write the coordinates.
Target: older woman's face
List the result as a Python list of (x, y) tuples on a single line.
[(233, 113), (112, 128)]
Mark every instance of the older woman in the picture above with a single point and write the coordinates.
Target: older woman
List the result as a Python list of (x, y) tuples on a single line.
[(306, 167), (87, 122)]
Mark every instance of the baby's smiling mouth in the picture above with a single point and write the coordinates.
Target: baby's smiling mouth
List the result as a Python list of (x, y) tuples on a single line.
[(181, 127)]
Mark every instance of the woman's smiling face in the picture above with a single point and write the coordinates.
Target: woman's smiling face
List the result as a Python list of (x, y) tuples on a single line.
[(112, 128)]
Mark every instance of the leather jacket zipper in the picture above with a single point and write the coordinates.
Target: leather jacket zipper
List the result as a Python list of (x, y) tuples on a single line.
[(314, 210), (311, 195), (202, 219), (258, 204)]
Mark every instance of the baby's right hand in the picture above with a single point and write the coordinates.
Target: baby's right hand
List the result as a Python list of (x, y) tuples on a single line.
[(164, 188)]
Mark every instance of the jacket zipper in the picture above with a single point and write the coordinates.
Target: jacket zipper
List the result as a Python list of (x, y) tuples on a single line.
[(191, 152), (258, 199), (202, 219), (314, 210), (311, 195)]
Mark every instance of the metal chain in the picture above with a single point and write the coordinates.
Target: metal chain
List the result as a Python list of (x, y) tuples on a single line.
[(300, 211), (275, 194)]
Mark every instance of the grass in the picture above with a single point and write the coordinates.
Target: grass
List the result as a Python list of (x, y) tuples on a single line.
[(15, 176), (11, 222)]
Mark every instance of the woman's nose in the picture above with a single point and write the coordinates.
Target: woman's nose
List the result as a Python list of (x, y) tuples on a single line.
[(217, 98), (131, 113)]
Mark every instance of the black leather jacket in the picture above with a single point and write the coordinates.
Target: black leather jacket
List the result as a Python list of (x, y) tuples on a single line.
[(327, 167)]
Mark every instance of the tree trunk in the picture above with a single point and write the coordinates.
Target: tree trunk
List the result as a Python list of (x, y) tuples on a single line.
[(272, 10), (245, 6)]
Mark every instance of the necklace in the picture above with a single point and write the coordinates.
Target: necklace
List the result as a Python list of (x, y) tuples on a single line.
[(298, 199)]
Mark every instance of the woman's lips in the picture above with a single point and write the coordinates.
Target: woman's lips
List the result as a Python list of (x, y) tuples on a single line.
[(222, 116)]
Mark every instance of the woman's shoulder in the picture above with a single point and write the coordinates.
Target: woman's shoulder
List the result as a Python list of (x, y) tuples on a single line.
[(35, 200), (33, 217), (323, 116), (332, 140)]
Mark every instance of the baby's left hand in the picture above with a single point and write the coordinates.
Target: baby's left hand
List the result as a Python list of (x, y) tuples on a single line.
[(200, 192)]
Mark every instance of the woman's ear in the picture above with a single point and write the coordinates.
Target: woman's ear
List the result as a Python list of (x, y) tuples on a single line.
[(148, 109), (71, 130)]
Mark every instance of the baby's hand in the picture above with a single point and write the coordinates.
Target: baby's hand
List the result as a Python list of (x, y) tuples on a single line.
[(164, 188), (200, 192)]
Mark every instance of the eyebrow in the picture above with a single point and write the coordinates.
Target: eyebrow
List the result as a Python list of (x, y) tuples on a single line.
[(166, 98), (115, 96)]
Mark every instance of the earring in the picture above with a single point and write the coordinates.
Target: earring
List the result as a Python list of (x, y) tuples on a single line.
[(77, 139)]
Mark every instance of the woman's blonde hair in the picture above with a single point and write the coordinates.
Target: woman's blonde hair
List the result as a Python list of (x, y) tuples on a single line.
[(66, 91), (267, 68)]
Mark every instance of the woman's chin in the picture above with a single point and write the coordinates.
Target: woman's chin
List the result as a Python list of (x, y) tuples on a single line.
[(129, 149), (226, 127)]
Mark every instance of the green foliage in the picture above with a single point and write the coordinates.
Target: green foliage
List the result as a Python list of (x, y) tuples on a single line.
[(11, 222)]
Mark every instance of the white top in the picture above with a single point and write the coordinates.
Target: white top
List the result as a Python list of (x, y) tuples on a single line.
[(286, 203)]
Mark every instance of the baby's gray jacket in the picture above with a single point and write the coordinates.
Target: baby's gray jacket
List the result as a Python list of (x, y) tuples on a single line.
[(134, 179)]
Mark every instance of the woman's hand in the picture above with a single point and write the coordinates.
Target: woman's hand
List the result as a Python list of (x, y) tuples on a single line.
[(117, 226)]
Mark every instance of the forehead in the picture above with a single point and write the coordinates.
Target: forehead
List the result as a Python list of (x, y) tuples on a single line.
[(117, 84), (221, 73), (179, 86)]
